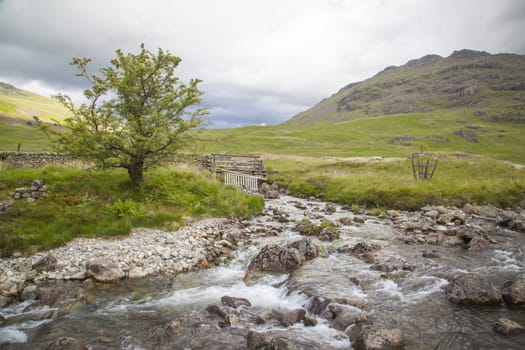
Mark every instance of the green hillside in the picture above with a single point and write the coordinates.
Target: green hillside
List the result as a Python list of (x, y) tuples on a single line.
[(446, 131), (17, 108), (493, 86)]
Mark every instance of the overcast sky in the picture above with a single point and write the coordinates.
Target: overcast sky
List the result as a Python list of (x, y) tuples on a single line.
[(262, 61)]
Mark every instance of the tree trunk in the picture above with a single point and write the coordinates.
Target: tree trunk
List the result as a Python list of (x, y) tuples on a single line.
[(136, 172)]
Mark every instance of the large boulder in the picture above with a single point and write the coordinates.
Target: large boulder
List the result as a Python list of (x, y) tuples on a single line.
[(472, 289), (513, 291), (306, 247), (283, 259), (104, 270), (379, 339)]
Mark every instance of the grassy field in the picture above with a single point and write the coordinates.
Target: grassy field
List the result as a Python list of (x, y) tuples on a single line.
[(390, 185), (434, 132), (102, 203)]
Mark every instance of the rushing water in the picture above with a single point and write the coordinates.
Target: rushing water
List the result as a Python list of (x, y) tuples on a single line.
[(130, 314)]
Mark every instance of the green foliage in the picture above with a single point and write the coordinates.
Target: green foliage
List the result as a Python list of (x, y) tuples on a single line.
[(101, 203), (125, 208), (137, 116)]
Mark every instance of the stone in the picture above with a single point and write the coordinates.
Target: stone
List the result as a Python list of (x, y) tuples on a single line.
[(104, 270), (4, 301), (293, 317), (345, 315), (470, 289), (30, 292), (234, 302), (309, 321), (66, 343), (433, 214), (46, 263), (269, 315), (506, 326), (362, 251), (255, 340), (276, 258), (228, 321), (477, 243), (306, 247), (217, 311), (513, 291), (505, 218), (379, 339), (279, 343), (137, 272), (346, 221)]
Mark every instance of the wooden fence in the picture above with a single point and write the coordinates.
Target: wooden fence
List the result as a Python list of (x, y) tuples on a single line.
[(243, 182)]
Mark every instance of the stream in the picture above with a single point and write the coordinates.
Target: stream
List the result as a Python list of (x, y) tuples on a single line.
[(170, 313)]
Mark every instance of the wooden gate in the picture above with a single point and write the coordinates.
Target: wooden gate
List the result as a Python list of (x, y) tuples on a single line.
[(243, 182)]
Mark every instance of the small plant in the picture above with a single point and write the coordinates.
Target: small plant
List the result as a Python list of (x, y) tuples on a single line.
[(125, 208)]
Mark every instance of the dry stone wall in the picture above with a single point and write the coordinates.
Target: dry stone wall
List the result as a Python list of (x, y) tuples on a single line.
[(33, 160)]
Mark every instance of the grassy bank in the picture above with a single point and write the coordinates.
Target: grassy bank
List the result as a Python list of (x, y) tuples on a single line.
[(102, 203), (390, 185)]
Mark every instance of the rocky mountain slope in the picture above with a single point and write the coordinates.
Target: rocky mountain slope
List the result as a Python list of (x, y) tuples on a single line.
[(490, 86)]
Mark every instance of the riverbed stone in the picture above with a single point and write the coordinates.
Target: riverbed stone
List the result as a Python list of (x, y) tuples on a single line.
[(282, 259), (46, 263), (470, 289), (506, 326), (379, 339), (363, 251), (104, 270), (66, 343), (293, 317), (255, 340), (235, 302), (513, 291)]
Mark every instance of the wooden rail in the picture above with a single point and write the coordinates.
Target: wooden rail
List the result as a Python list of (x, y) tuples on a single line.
[(243, 182)]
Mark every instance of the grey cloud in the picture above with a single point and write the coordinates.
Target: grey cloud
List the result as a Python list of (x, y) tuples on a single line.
[(262, 61)]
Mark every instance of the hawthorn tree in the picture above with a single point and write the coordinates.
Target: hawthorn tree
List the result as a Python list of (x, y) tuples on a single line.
[(137, 115)]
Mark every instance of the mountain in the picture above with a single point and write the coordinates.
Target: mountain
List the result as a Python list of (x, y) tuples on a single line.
[(490, 86), (19, 106), (17, 128)]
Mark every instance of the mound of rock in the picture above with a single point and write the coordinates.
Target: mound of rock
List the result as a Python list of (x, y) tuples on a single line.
[(326, 231), (472, 289), (283, 259)]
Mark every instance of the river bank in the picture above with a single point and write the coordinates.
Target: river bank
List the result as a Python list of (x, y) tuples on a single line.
[(386, 267)]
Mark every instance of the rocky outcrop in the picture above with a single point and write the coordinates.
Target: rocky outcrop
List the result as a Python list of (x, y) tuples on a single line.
[(470, 226), (282, 259), (472, 289)]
